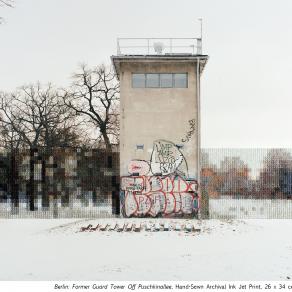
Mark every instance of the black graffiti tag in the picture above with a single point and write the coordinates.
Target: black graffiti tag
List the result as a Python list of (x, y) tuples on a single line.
[(165, 157), (191, 132)]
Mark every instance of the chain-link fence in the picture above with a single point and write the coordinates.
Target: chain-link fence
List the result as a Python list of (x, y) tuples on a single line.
[(247, 183), (235, 183), (59, 183)]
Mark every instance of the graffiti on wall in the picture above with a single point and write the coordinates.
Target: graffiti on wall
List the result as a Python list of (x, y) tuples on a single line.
[(166, 158), (138, 166), (190, 133), (160, 187)]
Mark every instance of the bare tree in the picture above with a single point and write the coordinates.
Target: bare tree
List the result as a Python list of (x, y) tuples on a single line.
[(8, 3), (94, 95), (234, 176), (275, 161), (36, 117), (9, 138)]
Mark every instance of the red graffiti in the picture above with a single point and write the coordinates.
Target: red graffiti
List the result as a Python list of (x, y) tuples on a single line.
[(138, 166), (153, 195)]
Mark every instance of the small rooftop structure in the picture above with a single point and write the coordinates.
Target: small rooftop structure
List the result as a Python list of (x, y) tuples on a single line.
[(159, 46), (159, 50)]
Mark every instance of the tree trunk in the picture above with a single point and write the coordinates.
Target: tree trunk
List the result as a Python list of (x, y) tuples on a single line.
[(14, 182), (31, 181), (108, 145), (45, 196)]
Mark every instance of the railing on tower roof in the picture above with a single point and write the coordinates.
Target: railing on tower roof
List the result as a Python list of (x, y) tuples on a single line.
[(159, 46)]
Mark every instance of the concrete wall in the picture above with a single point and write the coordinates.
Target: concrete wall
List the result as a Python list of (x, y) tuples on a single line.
[(151, 114), (161, 178)]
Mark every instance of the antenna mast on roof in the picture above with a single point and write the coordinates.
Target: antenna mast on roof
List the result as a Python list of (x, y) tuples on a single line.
[(201, 36)]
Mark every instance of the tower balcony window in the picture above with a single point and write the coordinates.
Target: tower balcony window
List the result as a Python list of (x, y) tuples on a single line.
[(166, 80), (138, 80), (180, 80), (152, 80), (159, 80)]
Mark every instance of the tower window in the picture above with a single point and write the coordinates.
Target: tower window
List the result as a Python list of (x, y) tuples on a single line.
[(160, 80), (166, 80), (180, 80), (152, 80), (138, 80)]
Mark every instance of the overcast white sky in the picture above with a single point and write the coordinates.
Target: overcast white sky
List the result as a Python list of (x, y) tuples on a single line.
[(246, 87)]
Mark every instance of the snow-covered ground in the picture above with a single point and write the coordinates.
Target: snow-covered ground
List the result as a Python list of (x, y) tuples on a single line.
[(40, 249)]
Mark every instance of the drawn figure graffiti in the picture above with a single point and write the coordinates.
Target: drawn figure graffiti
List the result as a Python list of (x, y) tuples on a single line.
[(165, 158), (160, 187)]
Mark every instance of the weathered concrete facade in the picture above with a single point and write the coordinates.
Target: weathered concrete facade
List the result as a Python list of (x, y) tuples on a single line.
[(159, 137)]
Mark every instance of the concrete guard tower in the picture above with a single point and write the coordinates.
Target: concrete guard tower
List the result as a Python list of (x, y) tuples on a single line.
[(160, 126)]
